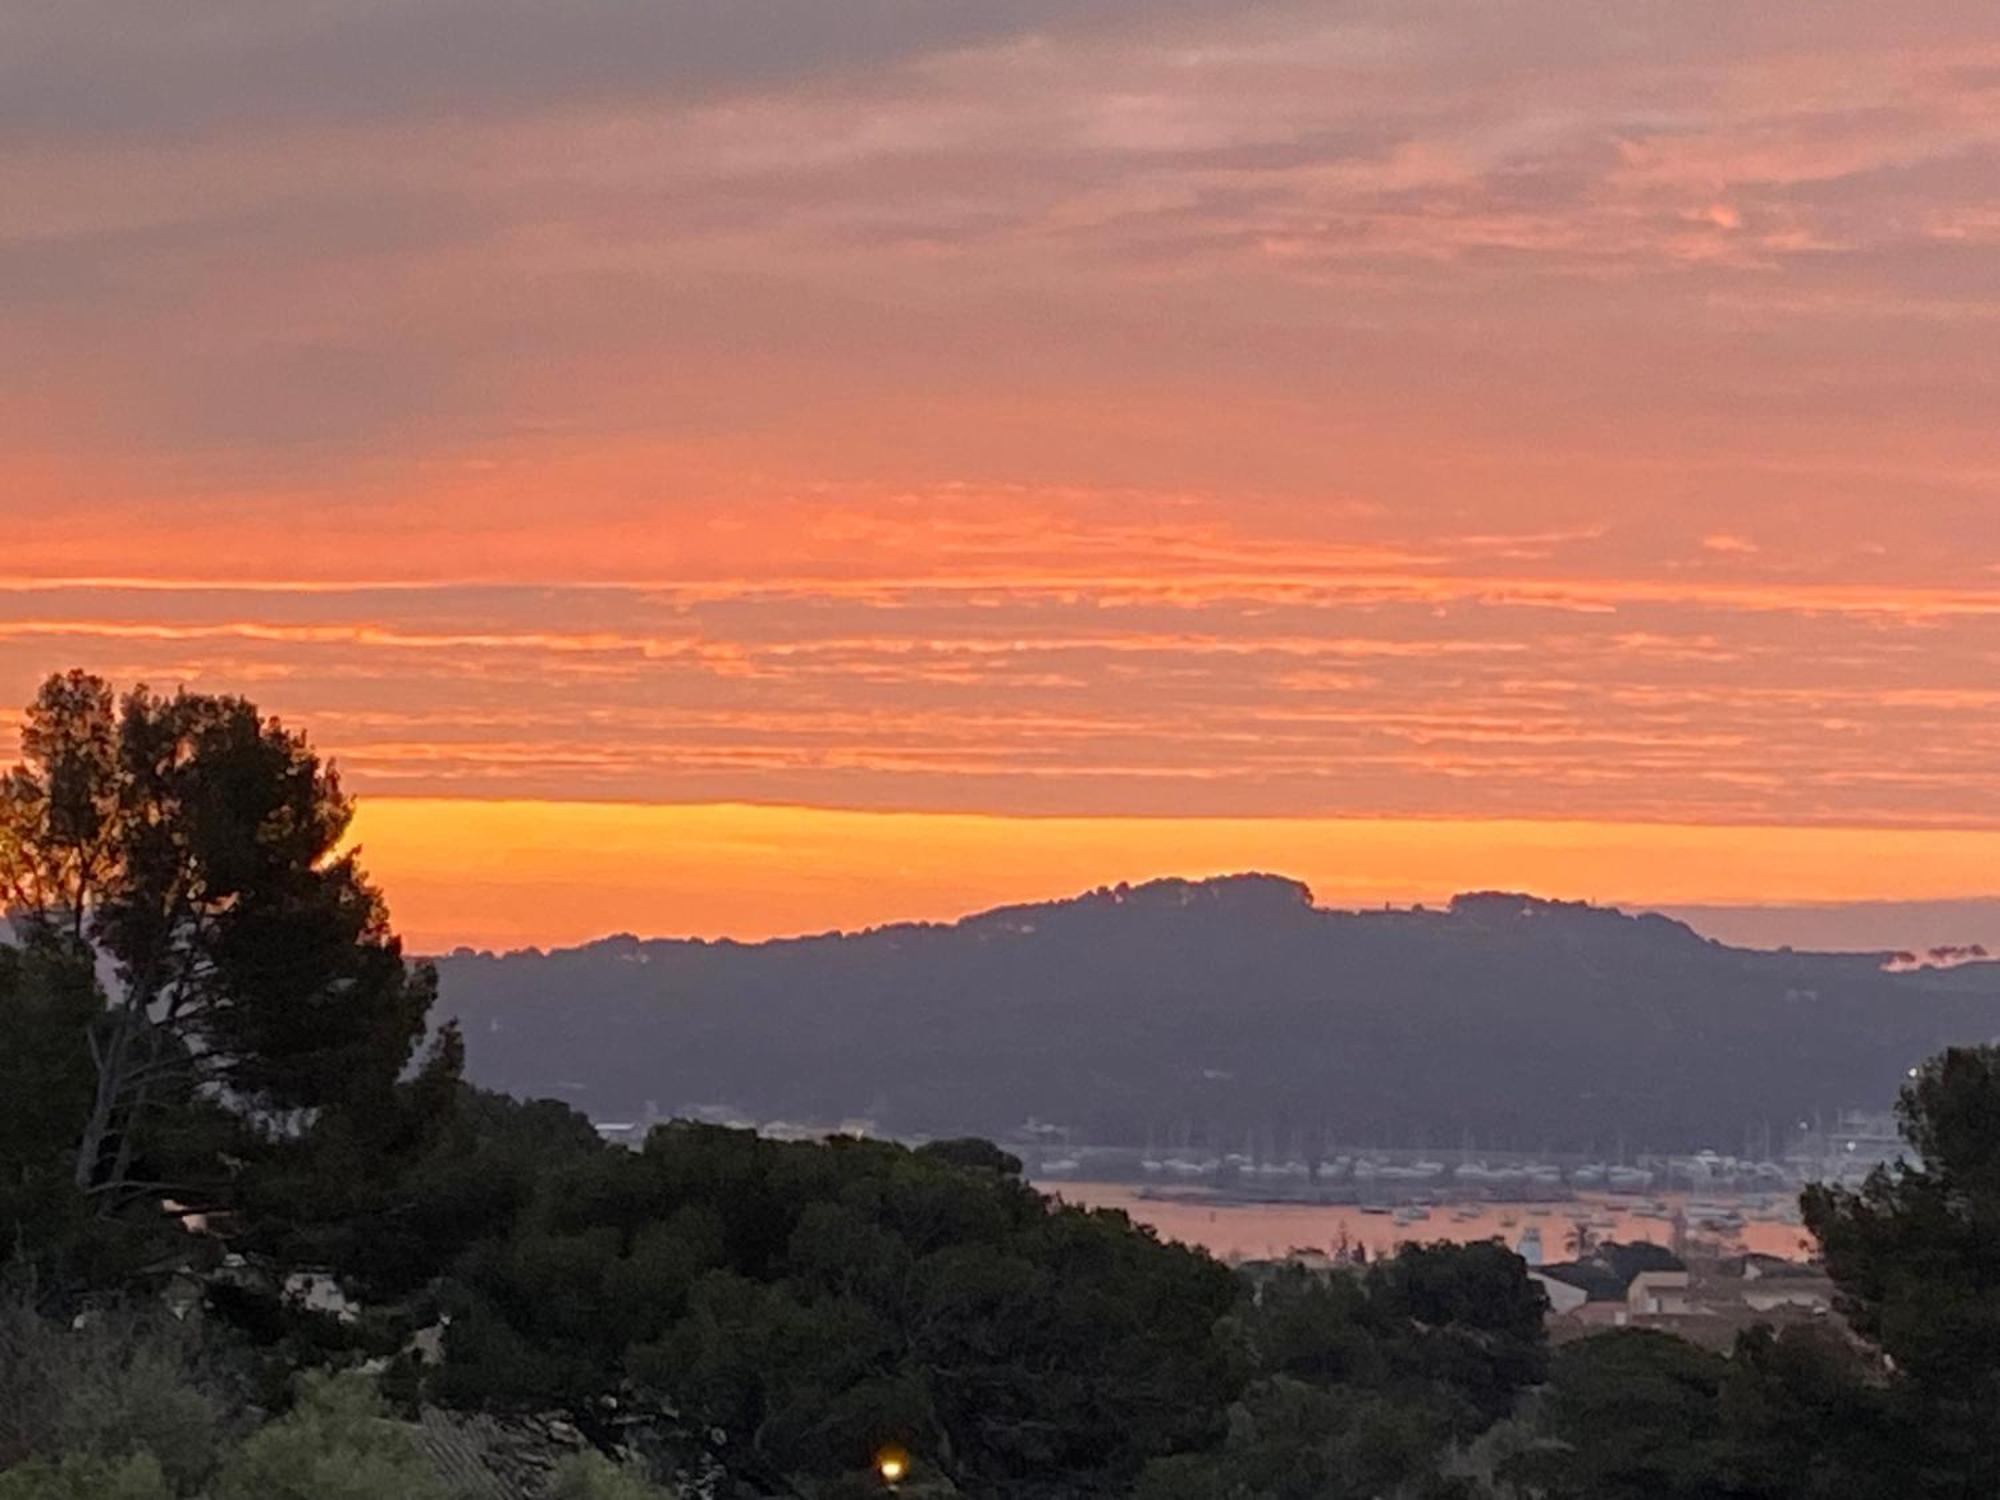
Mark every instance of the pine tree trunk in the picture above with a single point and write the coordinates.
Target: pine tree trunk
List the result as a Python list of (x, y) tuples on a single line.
[(114, 1059)]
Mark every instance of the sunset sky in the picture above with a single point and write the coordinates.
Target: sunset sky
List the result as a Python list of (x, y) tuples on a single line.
[(759, 466)]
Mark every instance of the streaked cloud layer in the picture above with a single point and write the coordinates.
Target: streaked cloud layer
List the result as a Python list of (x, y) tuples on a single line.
[(1538, 410)]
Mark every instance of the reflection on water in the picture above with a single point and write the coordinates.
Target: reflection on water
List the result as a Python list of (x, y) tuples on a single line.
[(1252, 1231)]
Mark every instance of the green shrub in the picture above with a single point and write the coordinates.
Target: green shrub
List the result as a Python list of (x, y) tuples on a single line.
[(590, 1476), (335, 1445), (83, 1476), (123, 1384)]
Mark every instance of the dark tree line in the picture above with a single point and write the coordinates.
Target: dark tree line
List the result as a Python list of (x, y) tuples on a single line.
[(213, 1065), (217, 1069)]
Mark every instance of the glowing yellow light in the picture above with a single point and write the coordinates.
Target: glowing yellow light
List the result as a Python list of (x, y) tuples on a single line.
[(892, 1464)]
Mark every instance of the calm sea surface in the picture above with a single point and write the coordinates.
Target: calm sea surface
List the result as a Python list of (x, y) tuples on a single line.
[(1263, 1230)]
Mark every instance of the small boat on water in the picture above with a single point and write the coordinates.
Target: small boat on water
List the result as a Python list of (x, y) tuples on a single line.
[(1715, 1216), (1376, 1208)]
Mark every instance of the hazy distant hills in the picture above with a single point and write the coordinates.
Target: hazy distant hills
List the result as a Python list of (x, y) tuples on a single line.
[(1224, 1010), (1851, 926)]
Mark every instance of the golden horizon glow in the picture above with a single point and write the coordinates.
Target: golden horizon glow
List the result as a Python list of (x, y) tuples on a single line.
[(515, 874)]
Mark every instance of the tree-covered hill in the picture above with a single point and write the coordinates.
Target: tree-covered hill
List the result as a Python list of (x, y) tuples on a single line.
[(1232, 1009)]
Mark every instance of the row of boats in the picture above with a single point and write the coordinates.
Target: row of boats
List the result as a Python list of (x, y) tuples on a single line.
[(1370, 1169), (1702, 1169)]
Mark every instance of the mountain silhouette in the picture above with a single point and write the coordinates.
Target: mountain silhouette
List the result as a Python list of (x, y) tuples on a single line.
[(1225, 1010)]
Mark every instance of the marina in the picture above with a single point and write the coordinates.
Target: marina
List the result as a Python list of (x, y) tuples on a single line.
[(1234, 1229)]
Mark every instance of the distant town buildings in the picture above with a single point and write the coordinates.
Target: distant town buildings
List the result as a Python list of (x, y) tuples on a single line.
[(1706, 1300)]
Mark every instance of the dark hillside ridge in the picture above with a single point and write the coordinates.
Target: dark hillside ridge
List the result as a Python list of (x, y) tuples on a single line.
[(1228, 1008)]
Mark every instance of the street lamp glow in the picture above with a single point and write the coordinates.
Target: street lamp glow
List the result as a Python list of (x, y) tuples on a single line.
[(892, 1464)]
